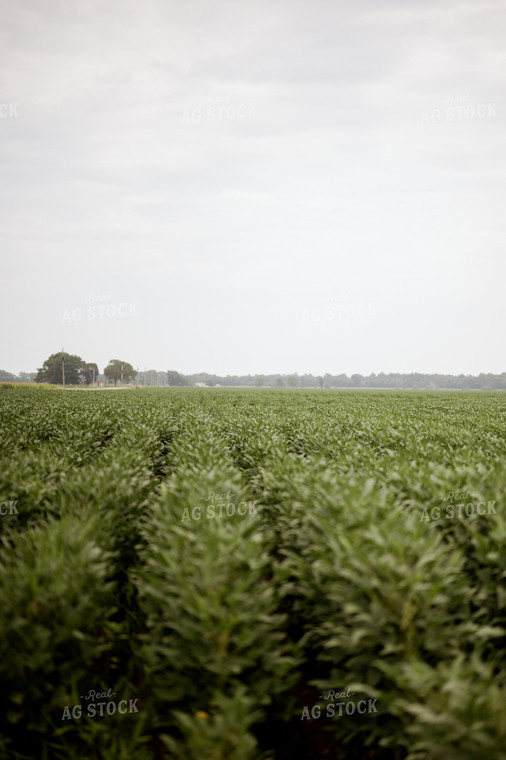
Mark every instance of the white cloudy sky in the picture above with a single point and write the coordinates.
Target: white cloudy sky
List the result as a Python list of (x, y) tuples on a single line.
[(269, 186)]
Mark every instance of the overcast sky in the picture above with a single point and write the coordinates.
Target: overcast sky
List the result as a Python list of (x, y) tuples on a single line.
[(256, 186)]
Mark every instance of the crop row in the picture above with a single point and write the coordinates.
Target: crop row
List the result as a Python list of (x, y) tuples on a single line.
[(228, 558)]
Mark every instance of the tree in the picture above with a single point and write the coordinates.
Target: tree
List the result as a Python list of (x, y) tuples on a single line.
[(175, 378), (6, 376), (259, 380), (51, 370), (119, 370), (151, 377), (280, 383), (90, 373), (293, 380)]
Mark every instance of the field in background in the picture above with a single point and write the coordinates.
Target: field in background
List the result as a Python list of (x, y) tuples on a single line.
[(228, 562)]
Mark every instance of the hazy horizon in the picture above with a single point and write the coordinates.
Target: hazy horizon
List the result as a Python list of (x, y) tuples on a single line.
[(244, 189)]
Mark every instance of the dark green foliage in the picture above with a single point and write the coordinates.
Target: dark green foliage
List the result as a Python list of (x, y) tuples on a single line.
[(119, 370), (176, 379), (225, 627), (55, 604), (75, 370)]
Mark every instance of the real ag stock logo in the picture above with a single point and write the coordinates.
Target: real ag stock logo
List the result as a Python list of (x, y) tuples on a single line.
[(459, 108), (100, 306), (8, 110), (99, 709), (219, 108), (332, 708), (464, 508), (219, 506), (339, 306), (8, 508)]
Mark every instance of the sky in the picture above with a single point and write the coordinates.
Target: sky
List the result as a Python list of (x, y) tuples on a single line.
[(254, 187)]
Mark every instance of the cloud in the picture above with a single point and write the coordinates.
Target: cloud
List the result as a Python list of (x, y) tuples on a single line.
[(322, 174)]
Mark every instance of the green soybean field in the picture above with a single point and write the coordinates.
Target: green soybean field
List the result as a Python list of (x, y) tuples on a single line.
[(229, 574)]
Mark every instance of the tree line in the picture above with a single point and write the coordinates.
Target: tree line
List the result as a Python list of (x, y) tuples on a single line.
[(77, 371), (382, 380)]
